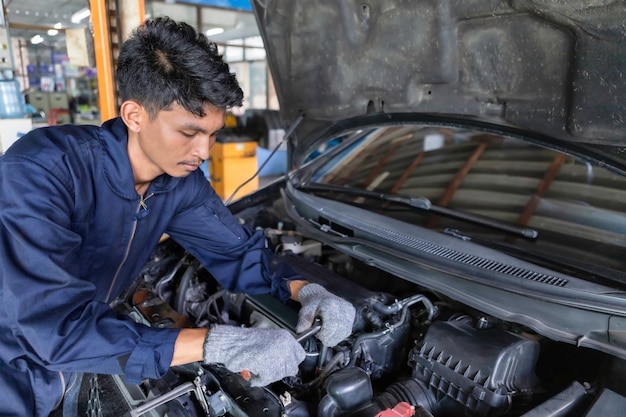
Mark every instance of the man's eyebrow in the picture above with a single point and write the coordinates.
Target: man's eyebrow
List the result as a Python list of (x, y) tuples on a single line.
[(193, 126)]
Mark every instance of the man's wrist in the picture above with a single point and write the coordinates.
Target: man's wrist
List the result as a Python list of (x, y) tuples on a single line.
[(295, 286), (189, 346)]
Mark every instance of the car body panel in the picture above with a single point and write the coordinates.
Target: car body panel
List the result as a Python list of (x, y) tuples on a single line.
[(552, 67)]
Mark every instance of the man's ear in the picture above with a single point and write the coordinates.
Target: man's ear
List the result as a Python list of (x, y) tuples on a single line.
[(133, 114)]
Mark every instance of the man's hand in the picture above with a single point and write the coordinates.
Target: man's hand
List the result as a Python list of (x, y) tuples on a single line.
[(269, 354), (336, 313)]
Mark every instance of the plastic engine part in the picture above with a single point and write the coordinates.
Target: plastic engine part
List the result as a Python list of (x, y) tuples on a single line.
[(479, 370)]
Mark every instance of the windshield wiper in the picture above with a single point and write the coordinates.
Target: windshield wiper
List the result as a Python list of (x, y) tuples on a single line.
[(423, 203)]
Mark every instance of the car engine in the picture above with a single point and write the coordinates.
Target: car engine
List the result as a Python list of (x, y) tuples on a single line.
[(411, 352)]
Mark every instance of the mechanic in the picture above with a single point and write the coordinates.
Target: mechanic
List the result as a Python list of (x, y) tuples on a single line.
[(83, 207)]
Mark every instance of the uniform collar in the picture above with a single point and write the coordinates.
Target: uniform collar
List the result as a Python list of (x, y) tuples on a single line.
[(117, 169)]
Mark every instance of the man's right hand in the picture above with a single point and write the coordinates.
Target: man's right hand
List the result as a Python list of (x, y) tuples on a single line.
[(268, 354)]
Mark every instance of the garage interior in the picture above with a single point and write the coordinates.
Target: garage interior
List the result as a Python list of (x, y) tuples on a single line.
[(58, 61)]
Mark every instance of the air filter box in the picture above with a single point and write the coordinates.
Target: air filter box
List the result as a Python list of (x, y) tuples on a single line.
[(474, 371)]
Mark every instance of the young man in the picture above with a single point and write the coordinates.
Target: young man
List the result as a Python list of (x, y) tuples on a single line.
[(82, 208)]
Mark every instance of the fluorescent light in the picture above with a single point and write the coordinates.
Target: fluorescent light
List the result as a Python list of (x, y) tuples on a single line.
[(53, 32), (58, 25), (214, 31), (36, 39), (80, 15)]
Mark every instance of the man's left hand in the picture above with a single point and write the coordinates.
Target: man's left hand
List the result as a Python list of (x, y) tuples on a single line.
[(336, 313)]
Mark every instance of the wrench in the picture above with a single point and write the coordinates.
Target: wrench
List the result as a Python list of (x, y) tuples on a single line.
[(314, 329), (300, 337)]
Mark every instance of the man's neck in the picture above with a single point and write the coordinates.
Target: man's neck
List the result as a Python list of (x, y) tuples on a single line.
[(142, 187)]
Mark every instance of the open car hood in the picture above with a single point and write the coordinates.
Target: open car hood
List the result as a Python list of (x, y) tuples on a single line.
[(551, 67)]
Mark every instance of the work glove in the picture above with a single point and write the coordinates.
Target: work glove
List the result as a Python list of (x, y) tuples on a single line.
[(337, 314), (268, 354)]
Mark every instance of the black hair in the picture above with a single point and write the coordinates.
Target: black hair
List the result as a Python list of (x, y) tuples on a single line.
[(165, 62)]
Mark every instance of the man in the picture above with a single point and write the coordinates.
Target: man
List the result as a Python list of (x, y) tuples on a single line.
[(82, 208)]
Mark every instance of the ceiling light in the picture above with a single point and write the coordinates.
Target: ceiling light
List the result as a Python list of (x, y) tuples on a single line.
[(58, 25), (214, 31), (36, 39), (53, 32), (80, 15)]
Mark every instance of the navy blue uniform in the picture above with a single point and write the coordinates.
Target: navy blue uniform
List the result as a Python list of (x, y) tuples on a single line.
[(73, 234)]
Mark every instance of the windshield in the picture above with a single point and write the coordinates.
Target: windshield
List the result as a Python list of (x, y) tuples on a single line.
[(576, 207)]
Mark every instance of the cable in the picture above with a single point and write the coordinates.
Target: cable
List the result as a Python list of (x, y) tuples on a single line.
[(283, 140)]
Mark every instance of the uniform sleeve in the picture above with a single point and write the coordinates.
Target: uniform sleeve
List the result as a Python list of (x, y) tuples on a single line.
[(50, 310), (236, 256)]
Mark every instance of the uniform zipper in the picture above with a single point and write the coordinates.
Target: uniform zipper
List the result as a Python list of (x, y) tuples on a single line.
[(142, 205), (142, 201)]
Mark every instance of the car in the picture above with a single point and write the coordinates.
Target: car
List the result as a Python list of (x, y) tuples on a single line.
[(457, 172)]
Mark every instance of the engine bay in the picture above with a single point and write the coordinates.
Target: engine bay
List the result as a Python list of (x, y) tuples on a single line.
[(411, 352)]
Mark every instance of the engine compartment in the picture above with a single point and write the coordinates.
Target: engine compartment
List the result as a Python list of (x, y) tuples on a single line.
[(411, 352)]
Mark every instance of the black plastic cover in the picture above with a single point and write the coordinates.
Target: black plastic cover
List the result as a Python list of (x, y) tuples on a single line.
[(609, 403), (479, 369)]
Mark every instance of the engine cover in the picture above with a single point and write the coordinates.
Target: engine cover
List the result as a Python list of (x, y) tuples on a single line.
[(476, 369)]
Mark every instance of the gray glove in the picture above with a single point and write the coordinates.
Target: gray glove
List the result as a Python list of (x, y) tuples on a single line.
[(269, 354), (336, 313)]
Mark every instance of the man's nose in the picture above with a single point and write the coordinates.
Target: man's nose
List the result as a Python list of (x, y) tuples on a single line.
[(203, 146)]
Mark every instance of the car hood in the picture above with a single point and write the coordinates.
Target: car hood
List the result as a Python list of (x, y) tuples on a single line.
[(551, 67)]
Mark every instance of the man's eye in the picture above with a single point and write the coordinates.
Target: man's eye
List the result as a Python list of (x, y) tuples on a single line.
[(189, 134)]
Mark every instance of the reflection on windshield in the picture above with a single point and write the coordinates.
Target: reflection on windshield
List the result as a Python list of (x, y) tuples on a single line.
[(578, 208)]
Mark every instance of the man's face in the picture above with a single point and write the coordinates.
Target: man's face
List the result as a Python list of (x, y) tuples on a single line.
[(175, 142)]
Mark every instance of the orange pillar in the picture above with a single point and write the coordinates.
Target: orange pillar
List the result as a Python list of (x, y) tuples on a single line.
[(104, 61)]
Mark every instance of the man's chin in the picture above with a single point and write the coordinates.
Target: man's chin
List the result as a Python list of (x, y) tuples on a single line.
[(179, 173)]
